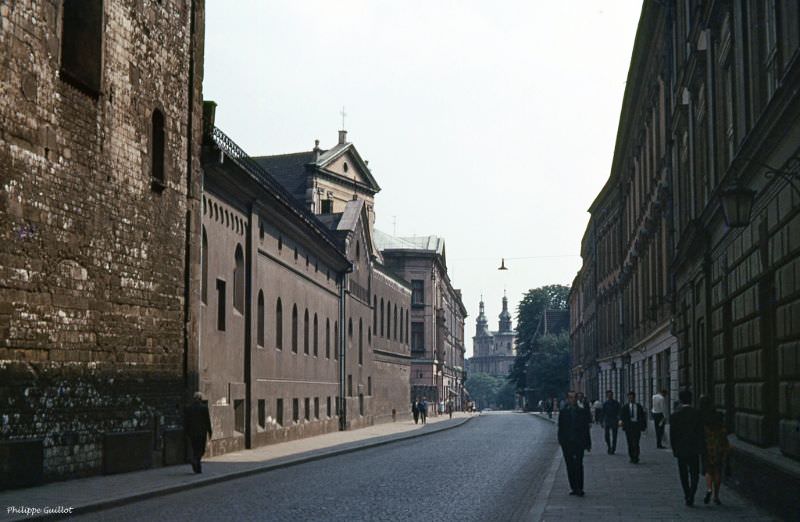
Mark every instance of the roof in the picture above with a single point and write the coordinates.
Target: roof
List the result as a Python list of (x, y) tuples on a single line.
[(291, 170), (433, 244), (553, 322)]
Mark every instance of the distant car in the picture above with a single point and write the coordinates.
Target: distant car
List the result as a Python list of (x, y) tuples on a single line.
[(487, 409)]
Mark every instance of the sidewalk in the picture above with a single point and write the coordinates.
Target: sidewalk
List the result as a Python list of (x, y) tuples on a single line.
[(104, 491), (618, 490)]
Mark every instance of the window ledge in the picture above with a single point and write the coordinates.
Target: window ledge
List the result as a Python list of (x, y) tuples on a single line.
[(157, 185)]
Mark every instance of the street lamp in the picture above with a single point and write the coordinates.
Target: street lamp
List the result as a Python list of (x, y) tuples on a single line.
[(503, 264), (737, 205)]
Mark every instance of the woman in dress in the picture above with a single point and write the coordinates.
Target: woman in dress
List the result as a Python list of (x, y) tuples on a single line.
[(717, 447)]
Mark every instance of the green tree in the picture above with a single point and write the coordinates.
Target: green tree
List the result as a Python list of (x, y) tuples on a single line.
[(529, 314), (483, 388), (549, 365)]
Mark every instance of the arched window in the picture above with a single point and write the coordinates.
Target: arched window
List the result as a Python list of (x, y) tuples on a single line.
[(350, 328), (388, 319), (238, 280), (360, 342), (316, 336), (401, 324), (395, 322), (407, 322), (381, 316), (158, 140), (279, 325), (336, 340), (375, 312), (204, 268), (305, 332), (294, 328), (327, 338), (358, 251), (260, 319)]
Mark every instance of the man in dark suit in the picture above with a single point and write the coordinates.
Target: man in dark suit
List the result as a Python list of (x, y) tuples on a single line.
[(687, 438), (611, 420), (197, 426), (574, 438), (633, 422)]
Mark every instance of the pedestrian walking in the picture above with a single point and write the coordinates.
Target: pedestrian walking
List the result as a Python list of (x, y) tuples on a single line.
[(633, 422), (611, 419), (415, 411), (574, 438), (423, 410), (197, 425), (549, 407), (688, 445), (597, 406), (450, 408), (658, 411), (717, 446)]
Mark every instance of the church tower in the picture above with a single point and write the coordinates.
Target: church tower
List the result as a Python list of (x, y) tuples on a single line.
[(505, 317), (481, 324)]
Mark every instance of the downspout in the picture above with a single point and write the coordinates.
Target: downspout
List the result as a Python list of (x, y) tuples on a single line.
[(248, 330), (345, 279)]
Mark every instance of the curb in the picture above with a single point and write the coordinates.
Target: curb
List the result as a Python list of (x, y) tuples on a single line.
[(137, 497)]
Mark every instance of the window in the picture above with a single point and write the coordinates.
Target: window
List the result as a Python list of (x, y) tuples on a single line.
[(305, 332), (388, 320), (260, 319), (358, 251), (295, 253), (279, 325), (381, 316), (262, 413), (417, 292), (279, 412), (294, 328), (417, 337), (157, 144), (360, 342), (316, 407), (328, 406), (316, 336), (369, 385), (296, 410), (327, 338), (238, 280), (375, 313), (238, 415), (308, 409), (408, 321), (349, 385), (221, 305), (204, 268), (82, 44), (361, 404), (336, 340), (280, 242), (402, 322), (395, 322), (327, 206)]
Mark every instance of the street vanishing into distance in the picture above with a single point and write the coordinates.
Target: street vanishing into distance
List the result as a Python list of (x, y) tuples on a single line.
[(491, 468)]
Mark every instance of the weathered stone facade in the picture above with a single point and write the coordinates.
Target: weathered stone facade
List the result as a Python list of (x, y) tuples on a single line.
[(98, 181), (675, 292)]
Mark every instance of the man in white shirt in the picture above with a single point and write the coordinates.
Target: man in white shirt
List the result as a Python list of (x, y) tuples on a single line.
[(658, 410)]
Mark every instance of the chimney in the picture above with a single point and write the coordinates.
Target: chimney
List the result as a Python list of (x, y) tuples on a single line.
[(209, 111), (342, 137), (316, 150)]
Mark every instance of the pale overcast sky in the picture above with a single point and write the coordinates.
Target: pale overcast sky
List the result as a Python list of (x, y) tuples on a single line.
[(489, 123)]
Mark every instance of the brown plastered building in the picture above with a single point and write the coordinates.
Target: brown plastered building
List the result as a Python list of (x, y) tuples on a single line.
[(337, 187), (711, 107), (99, 178), (435, 321)]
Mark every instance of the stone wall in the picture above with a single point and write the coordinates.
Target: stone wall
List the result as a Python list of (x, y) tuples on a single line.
[(92, 253)]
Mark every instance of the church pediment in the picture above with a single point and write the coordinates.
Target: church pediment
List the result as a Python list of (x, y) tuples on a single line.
[(344, 162)]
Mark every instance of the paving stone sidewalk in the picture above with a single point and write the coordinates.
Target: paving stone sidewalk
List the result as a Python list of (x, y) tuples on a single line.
[(651, 490), (100, 492)]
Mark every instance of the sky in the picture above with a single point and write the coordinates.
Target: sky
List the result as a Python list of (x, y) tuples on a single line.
[(489, 123)]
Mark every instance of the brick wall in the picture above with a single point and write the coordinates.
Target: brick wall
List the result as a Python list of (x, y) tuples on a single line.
[(92, 259)]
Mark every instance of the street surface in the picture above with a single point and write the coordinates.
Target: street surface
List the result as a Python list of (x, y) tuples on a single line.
[(489, 469)]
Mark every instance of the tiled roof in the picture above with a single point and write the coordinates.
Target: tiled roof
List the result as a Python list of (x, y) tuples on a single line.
[(289, 170), (386, 241)]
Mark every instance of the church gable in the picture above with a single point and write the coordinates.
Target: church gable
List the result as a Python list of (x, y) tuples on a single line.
[(347, 163)]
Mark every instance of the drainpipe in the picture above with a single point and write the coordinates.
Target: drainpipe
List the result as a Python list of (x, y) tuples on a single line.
[(342, 347)]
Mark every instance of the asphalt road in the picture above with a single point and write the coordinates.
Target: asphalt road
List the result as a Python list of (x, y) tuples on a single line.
[(489, 469)]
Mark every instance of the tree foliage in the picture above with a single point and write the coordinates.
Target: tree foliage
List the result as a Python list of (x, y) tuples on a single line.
[(489, 391), (549, 365), (529, 314)]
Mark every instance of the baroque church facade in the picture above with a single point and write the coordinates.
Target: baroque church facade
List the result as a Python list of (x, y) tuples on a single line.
[(494, 352)]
